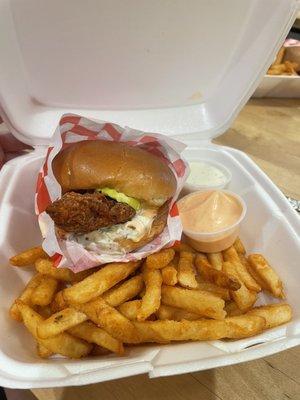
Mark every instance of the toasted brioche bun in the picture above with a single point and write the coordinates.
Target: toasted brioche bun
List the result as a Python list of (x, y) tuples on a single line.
[(129, 170)]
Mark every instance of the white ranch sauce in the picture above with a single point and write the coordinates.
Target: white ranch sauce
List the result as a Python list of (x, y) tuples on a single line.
[(205, 174)]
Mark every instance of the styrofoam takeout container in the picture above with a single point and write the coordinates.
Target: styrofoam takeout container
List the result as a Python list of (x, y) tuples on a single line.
[(179, 69)]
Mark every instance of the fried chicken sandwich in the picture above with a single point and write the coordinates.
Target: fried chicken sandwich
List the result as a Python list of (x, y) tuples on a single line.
[(115, 197)]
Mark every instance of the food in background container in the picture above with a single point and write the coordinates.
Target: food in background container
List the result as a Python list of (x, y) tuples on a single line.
[(211, 219), (206, 175), (285, 63)]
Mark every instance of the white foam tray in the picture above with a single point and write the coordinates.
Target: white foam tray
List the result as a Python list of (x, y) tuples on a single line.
[(278, 86), (270, 227)]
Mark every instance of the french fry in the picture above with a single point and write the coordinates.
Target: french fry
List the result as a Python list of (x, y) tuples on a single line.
[(175, 314), (27, 257), (93, 334), (232, 309), (59, 302), (25, 297), (291, 67), (63, 343), (232, 328), (243, 297), (193, 300), (219, 278), (239, 247), (99, 351), (186, 272), (160, 260), (277, 69), (130, 309), (232, 256), (151, 299), (42, 351), (271, 281), (109, 319), (46, 267), (60, 322), (255, 276), (221, 292), (97, 283), (274, 314), (279, 57), (124, 292), (215, 260), (180, 246), (43, 294), (169, 275)]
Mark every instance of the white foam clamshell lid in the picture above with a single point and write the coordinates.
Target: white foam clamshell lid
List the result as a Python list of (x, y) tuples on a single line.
[(270, 227)]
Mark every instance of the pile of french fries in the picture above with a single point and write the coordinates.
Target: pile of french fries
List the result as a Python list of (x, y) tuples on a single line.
[(173, 295), (280, 67)]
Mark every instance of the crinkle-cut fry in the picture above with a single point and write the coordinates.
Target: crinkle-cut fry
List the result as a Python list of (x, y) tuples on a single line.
[(130, 309), (215, 260), (271, 281), (175, 314), (194, 300), (46, 267), (60, 322), (64, 343), (124, 291), (151, 299), (274, 314), (180, 246), (25, 297), (219, 278), (232, 328), (239, 247), (59, 302), (243, 297), (254, 275), (221, 292), (109, 319), (93, 334), (232, 256), (28, 257), (232, 309), (169, 275), (186, 271), (42, 351), (97, 283), (160, 260), (44, 293)]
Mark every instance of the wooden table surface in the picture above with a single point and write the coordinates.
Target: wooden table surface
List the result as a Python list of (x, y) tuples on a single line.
[(269, 131)]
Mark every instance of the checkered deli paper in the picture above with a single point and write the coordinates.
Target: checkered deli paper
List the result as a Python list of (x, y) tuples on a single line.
[(73, 128)]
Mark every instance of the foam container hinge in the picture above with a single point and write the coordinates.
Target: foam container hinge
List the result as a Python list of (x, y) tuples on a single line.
[(270, 227)]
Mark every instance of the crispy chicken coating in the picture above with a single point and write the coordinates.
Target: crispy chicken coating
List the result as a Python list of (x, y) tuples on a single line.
[(82, 213)]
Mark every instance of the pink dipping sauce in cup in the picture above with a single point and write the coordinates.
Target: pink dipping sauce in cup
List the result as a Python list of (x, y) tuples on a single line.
[(211, 219)]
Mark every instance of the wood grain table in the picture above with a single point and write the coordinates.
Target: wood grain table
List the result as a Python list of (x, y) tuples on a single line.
[(268, 130)]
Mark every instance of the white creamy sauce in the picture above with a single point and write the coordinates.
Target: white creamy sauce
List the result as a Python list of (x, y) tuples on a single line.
[(206, 174), (103, 239)]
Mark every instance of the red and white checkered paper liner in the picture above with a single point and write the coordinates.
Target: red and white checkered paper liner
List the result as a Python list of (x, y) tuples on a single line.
[(73, 128)]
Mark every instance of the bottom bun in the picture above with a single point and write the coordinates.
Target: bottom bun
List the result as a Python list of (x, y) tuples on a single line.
[(129, 245), (157, 227)]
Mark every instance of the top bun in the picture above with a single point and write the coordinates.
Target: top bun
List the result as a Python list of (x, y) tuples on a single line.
[(130, 170)]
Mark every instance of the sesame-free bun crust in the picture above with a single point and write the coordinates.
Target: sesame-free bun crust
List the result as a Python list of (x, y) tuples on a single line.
[(127, 169)]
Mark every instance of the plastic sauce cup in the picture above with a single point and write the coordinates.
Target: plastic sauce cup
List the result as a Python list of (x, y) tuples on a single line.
[(207, 169), (213, 242)]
